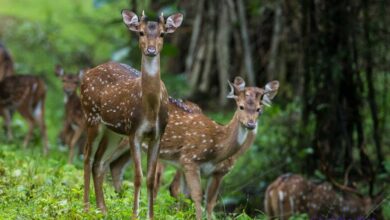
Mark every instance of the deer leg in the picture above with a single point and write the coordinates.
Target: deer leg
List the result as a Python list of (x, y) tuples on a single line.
[(212, 193), (30, 122), (135, 151), (174, 188), (192, 176), (98, 173), (117, 168), (68, 133), (7, 120), (158, 178), (75, 137), (153, 151), (92, 132), (39, 116)]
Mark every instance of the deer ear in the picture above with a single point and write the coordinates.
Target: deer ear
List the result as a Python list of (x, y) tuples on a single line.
[(173, 22), (270, 91), (59, 70), (131, 20)]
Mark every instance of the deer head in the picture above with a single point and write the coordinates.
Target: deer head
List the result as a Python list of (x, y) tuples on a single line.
[(151, 33), (250, 101), (70, 82)]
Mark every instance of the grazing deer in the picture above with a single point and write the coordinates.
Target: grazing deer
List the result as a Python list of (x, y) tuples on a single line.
[(26, 94), (130, 106), (74, 123), (291, 193), (198, 144), (6, 63)]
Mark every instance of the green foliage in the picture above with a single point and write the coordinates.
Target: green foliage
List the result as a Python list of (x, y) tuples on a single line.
[(299, 217)]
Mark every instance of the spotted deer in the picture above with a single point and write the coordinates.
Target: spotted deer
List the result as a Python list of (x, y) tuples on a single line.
[(291, 193), (74, 123), (230, 141), (135, 107), (199, 145), (25, 94), (6, 63)]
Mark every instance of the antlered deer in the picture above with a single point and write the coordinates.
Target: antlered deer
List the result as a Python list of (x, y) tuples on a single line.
[(135, 107), (74, 123), (25, 94), (6, 63), (198, 144), (292, 193)]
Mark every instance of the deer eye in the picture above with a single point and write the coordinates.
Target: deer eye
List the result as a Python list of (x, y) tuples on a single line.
[(162, 34), (141, 33), (241, 107)]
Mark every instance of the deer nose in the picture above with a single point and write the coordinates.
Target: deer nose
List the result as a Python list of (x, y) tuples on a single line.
[(251, 124), (151, 50)]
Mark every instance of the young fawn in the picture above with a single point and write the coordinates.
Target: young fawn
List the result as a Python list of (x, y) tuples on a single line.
[(135, 107), (74, 123), (198, 144), (25, 94), (292, 193)]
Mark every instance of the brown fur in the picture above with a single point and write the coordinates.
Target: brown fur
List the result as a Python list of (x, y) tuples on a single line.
[(74, 121), (127, 105), (6, 63), (291, 193), (25, 94)]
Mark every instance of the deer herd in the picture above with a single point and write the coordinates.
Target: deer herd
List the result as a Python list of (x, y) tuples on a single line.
[(121, 112)]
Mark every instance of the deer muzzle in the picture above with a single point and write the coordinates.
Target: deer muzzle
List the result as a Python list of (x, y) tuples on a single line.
[(151, 51), (251, 125)]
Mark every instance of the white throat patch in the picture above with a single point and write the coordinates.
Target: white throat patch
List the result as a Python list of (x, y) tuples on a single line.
[(243, 132), (151, 65)]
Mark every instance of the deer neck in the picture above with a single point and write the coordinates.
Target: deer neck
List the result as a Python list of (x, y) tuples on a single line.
[(71, 97), (236, 138), (150, 85)]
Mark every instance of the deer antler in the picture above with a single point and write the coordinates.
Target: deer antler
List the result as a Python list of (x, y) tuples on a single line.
[(346, 179), (162, 18), (143, 15), (342, 187)]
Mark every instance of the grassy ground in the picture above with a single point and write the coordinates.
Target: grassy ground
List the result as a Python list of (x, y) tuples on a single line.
[(36, 187)]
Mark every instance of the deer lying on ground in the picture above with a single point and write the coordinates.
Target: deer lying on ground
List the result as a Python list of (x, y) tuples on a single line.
[(135, 107), (74, 123), (25, 94), (291, 193), (6, 63)]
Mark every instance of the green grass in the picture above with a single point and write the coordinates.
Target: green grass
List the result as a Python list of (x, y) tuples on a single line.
[(36, 187)]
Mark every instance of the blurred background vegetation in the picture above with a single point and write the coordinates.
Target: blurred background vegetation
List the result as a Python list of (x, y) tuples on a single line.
[(331, 57)]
